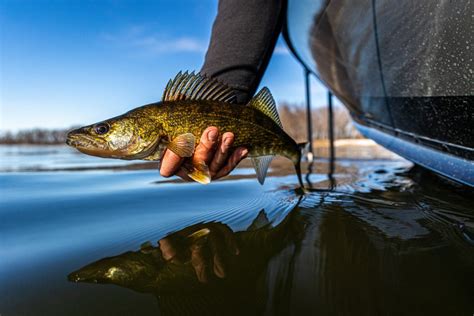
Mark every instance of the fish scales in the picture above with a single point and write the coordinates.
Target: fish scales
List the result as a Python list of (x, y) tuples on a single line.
[(251, 128), (177, 122)]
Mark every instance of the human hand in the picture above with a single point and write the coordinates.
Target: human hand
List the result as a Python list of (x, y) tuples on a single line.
[(209, 247), (215, 152)]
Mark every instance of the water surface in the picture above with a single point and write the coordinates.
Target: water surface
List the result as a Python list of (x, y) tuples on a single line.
[(381, 238)]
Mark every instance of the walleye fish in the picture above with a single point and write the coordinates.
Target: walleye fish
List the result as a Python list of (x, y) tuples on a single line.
[(192, 102)]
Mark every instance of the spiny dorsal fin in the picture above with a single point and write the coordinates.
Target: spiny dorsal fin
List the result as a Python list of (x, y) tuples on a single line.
[(191, 86), (261, 166), (264, 102)]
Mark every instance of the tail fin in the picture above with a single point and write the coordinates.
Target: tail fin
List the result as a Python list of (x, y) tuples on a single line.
[(303, 146), (298, 172), (297, 162)]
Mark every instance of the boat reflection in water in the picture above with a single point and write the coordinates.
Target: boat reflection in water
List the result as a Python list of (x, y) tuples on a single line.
[(390, 248)]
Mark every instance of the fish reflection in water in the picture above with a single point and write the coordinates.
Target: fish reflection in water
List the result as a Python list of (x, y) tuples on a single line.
[(205, 268), (396, 249)]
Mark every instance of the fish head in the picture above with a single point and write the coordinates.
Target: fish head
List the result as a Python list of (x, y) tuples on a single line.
[(126, 269), (133, 269), (124, 137), (111, 271)]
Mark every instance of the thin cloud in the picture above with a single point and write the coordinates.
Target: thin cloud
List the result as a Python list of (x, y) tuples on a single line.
[(281, 49), (160, 45), (137, 37), (141, 37)]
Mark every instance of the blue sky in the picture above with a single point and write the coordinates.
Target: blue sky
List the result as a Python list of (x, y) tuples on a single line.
[(67, 63)]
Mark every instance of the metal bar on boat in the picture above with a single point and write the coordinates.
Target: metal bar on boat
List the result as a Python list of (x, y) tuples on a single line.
[(331, 134), (308, 114)]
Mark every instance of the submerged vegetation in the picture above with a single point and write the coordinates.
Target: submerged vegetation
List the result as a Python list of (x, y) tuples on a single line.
[(292, 116)]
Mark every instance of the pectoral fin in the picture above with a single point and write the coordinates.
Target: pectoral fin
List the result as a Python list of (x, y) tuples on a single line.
[(199, 234), (198, 171), (182, 145)]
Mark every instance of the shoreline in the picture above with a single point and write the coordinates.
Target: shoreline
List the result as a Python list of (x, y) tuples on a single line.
[(345, 149)]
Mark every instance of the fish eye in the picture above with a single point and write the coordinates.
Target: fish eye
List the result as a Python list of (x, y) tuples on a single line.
[(101, 128)]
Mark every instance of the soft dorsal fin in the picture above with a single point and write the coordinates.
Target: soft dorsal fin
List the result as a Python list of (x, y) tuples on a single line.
[(264, 102), (260, 221), (261, 165), (191, 86)]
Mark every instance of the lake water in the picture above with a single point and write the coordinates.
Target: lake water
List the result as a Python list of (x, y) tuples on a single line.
[(378, 237)]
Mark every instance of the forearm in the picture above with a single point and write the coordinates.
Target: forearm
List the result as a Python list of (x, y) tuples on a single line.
[(244, 35)]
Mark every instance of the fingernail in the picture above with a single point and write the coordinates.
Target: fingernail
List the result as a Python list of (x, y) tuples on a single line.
[(227, 141), (212, 135), (243, 153)]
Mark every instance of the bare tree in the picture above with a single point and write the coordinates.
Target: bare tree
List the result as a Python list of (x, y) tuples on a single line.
[(293, 118), (34, 136)]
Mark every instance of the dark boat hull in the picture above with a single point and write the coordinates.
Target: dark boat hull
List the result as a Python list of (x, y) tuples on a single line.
[(404, 69)]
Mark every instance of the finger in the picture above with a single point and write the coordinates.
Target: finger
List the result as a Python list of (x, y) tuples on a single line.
[(239, 154), (168, 252), (207, 145), (170, 163), (218, 252), (199, 262), (222, 153), (228, 236), (183, 173)]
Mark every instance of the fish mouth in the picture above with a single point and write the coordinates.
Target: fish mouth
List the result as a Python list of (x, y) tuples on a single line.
[(92, 146), (79, 139), (74, 137), (87, 144), (71, 142), (77, 277)]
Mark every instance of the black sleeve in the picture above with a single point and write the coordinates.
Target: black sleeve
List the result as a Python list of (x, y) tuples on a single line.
[(244, 35)]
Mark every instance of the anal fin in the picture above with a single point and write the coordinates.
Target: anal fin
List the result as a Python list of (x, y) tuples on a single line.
[(261, 165)]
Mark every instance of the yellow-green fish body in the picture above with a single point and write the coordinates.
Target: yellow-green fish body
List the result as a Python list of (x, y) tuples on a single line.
[(191, 103)]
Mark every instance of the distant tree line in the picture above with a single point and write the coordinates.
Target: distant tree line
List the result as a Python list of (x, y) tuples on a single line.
[(39, 136), (293, 119), (292, 116)]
